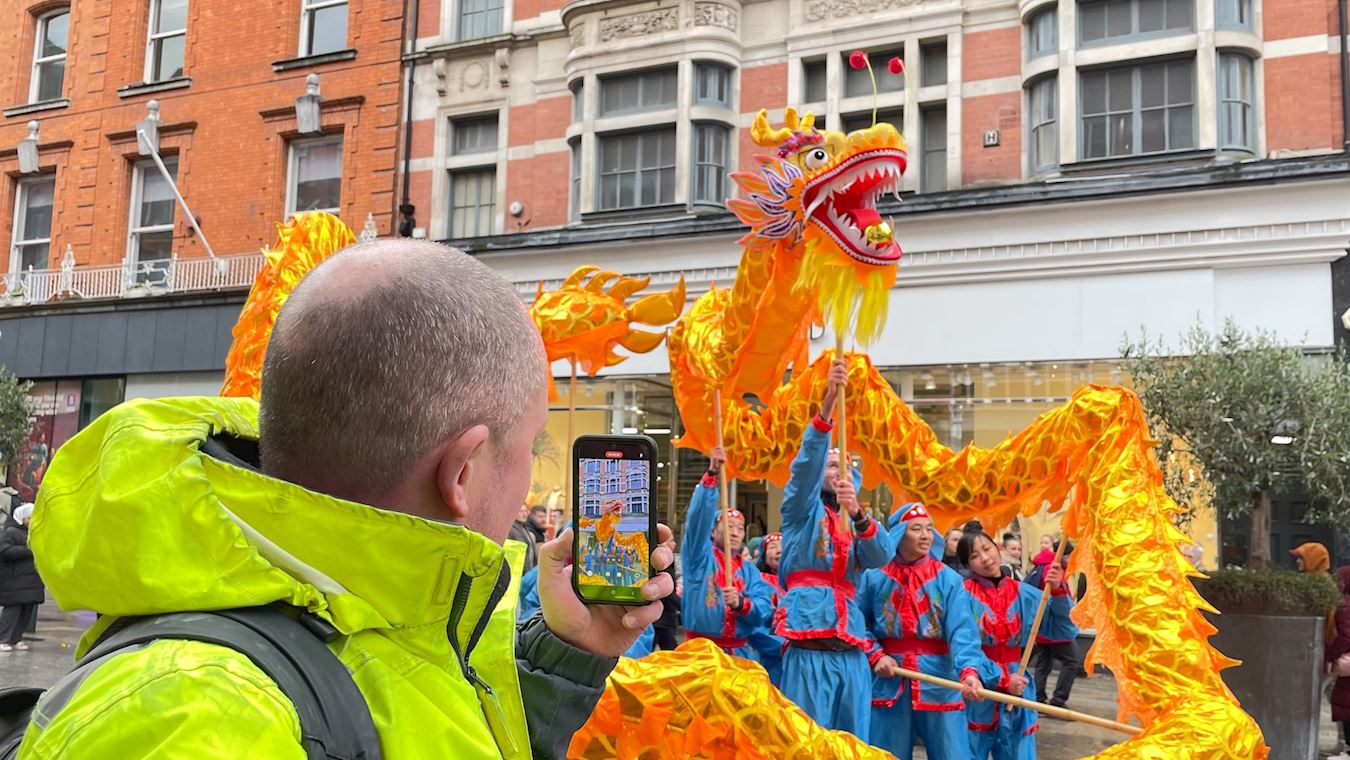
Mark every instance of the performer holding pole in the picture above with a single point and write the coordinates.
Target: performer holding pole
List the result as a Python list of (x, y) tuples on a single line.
[(722, 492), (1040, 607), (1008, 614), (828, 541), (725, 599), (919, 618)]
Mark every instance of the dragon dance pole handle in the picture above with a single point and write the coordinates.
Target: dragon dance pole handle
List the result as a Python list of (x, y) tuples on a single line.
[(845, 469), (1040, 608), (551, 530), (722, 494), (1063, 713)]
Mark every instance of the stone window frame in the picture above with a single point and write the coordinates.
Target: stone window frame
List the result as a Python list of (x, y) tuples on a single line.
[(292, 184), (308, 10), (153, 39), (140, 169), (40, 21), (22, 184)]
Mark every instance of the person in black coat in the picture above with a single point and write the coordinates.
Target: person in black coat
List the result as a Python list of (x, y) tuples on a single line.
[(21, 589)]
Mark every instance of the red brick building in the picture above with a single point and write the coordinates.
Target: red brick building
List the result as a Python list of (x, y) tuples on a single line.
[(88, 215), (226, 76)]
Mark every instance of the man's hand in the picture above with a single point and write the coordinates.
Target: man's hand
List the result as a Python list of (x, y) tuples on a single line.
[(604, 629), (838, 379), (843, 491), (1017, 683), (1054, 575), (970, 688), (732, 598), (886, 667), (716, 459)]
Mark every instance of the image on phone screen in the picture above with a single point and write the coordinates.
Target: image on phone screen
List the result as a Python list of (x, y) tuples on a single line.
[(615, 506)]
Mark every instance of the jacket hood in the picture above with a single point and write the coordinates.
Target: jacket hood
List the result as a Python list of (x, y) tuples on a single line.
[(1315, 557), (134, 519)]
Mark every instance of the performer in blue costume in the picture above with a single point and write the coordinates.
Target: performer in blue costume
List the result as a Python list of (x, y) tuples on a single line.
[(713, 608), (768, 645), (828, 541), (1005, 609), (919, 617)]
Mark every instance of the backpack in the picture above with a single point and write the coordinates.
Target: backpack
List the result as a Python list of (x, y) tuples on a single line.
[(335, 722)]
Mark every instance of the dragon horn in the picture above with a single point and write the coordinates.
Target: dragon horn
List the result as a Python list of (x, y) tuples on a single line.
[(766, 136), (599, 281), (659, 308), (574, 279)]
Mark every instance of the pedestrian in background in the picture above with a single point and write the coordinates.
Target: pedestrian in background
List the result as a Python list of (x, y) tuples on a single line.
[(21, 589), (1057, 640), (1338, 662), (520, 531)]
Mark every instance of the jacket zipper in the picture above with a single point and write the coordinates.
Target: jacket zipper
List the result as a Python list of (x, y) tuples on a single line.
[(487, 697)]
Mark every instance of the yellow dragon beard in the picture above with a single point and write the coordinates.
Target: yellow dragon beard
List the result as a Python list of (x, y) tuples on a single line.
[(848, 292)]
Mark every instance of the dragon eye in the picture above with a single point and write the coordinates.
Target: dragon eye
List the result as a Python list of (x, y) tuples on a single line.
[(816, 159)]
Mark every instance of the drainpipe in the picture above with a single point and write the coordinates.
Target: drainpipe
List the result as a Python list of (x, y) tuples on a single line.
[(1345, 80), (406, 208)]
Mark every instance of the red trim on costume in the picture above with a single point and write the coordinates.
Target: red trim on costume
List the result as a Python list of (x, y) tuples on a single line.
[(727, 644), (738, 583), (1003, 654), (841, 539), (916, 647), (709, 480), (1061, 590), (822, 424), (871, 529), (968, 672)]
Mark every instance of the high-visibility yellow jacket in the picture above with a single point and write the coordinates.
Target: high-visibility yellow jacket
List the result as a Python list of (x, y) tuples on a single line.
[(135, 518)]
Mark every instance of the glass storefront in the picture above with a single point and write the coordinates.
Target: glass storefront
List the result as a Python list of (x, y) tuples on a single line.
[(61, 408)]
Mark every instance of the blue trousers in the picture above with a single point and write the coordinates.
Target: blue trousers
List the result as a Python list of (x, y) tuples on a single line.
[(1007, 742), (834, 688), (944, 734)]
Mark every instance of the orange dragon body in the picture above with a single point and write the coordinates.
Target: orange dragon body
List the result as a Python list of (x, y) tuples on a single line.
[(816, 247)]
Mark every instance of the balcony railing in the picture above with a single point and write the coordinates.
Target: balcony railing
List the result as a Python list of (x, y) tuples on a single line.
[(130, 280)]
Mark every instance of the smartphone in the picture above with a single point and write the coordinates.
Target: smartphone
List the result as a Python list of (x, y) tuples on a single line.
[(613, 516)]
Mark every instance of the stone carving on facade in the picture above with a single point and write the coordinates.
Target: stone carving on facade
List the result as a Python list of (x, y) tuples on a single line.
[(503, 60), (473, 75), (440, 68), (578, 33), (715, 14), (823, 10), (640, 24)]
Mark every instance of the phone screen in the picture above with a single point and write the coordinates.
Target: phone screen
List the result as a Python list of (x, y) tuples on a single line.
[(613, 515)]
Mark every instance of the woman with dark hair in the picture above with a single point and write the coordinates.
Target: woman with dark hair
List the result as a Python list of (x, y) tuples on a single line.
[(1005, 609), (1338, 659)]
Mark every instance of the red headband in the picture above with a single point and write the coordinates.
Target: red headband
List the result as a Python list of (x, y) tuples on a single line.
[(913, 513), (771, 539), (735, 516)]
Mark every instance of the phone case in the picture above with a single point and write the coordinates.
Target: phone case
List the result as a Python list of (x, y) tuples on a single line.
[(599, 441)]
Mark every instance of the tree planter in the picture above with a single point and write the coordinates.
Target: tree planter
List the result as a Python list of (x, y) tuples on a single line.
[(1279, 681)]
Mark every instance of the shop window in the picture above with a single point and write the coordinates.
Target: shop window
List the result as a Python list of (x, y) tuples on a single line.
[(168, 40), (150, 243), (1237, 103), (33, 224), (857, 82), (862, 120), (1042, 107), (1109, 21), (710, 163), (633, 93), (1139, 109), (49, 56), (1233, 14), (578, 100), (1043, 33), (473, 202), (712, 85), (315, 176), (479, 18), (814, 79), (637, 169), (575, 199), (933, 164), (932, 63), (475, 134), (323, 27)]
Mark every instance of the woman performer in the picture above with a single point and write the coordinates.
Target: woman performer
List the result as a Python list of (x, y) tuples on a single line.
[(1005, 609)]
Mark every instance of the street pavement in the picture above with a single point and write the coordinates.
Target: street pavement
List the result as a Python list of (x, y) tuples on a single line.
[(58, 632)]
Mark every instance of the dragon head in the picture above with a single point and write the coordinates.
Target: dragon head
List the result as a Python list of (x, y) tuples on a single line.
[(821, 190)]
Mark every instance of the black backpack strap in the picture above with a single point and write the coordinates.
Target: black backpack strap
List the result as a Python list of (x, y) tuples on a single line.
[(16, 706), (335, 721)]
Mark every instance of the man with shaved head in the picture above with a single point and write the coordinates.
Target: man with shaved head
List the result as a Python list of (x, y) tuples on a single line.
[(370, 491)]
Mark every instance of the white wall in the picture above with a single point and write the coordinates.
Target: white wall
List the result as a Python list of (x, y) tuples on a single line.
[(169, 384)]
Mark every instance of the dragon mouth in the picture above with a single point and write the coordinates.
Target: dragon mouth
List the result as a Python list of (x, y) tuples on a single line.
[(842, 202)]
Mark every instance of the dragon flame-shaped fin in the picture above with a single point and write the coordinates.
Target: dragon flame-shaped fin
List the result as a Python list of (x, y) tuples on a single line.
[(770, 209), (659, 308)]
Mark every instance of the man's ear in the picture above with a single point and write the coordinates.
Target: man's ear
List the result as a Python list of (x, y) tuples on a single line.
[(457, 468)]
